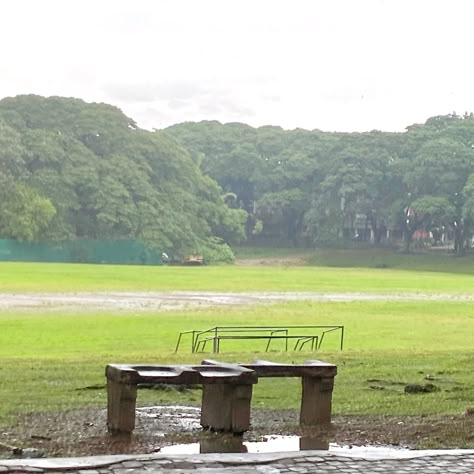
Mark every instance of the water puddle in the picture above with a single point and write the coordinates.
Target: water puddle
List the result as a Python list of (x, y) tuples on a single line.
[(221, 443), (162, 420)]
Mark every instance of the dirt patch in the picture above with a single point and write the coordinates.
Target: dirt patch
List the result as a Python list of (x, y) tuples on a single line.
[(273, 261), (83, 432), (179, 300)]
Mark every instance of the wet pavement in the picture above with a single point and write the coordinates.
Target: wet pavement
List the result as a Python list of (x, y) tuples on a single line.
[(320, 462)]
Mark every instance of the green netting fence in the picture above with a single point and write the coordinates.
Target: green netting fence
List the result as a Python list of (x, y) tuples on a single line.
[(80, 251)]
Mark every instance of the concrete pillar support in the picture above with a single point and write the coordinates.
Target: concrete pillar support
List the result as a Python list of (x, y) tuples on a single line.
[(316, 401), (226, 407), (121, 404)]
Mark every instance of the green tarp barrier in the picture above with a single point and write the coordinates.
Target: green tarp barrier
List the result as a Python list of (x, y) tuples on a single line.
[(80, 251)]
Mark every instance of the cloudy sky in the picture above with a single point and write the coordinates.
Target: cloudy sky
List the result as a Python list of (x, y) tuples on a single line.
[(342, 65)]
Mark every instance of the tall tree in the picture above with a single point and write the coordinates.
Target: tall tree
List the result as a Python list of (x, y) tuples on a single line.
[(87, 171)]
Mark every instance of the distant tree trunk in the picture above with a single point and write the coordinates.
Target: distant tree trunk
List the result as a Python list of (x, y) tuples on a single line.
[(410, 226), (459, 237), (408, 240)]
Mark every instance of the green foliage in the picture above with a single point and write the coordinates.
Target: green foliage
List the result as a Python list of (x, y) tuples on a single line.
[(434, 211), (104, 179), (440, 167), (24, 214), (312, 187), (216, 250)]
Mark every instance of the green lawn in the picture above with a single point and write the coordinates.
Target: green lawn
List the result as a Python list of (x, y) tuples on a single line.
[(49, 359), (40, 277), (434, 260)]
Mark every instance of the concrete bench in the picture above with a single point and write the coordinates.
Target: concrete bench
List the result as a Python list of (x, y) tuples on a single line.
[(226, 395), (227, 391), (317, 380)]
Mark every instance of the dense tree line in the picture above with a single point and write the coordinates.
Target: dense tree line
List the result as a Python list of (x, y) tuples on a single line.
[(310, 187), (72, 170)]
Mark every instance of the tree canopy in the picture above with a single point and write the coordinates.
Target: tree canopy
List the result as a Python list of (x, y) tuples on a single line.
[(72, 170), (310, 186)]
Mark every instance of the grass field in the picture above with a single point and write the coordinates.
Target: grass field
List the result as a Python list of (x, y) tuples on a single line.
[(436, 276), (54, 357), (55, 361), (435, 260)]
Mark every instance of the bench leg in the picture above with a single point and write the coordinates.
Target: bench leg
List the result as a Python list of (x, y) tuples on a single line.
[(226, 407), (121, 403), (316, 399)]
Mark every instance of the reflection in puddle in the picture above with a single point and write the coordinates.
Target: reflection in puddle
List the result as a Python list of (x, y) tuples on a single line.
[(221, 443), (174, 419)]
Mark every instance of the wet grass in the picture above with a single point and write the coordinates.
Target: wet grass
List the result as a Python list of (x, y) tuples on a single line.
[(429, 260), (244, 252), (41, 277), (55, 361)]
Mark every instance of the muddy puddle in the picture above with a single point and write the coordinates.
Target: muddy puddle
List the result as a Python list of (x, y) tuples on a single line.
[(187, 419), (223, 443), (177, 429), (179, 300)]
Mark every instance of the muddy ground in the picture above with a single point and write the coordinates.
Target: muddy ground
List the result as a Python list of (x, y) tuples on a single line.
[(83, 432), (178, 300)]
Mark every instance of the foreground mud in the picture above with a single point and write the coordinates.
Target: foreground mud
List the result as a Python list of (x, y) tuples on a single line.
[(83, 432)]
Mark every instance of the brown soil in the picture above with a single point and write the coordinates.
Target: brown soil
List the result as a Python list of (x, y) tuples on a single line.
[(273, 261), (83, 432)]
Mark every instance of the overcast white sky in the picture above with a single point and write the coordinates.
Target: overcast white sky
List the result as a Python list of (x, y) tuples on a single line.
[(347, 65)]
